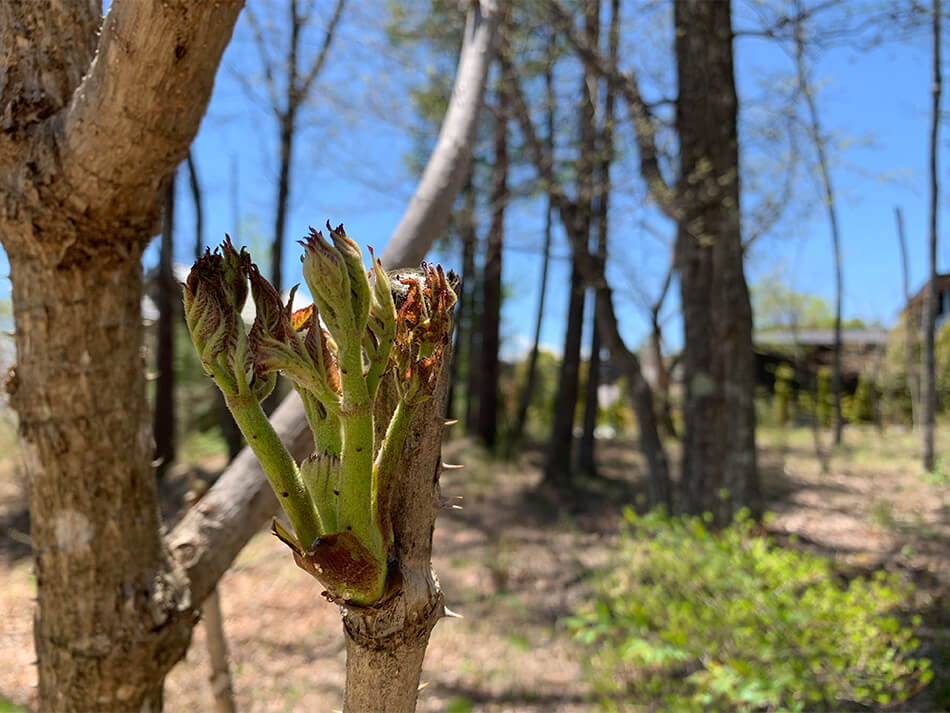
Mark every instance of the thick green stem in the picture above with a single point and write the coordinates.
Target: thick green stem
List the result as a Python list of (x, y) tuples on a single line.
[(279, 467), (356, 490)]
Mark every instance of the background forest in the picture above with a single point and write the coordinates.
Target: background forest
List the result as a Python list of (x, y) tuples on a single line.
[(700, 367)]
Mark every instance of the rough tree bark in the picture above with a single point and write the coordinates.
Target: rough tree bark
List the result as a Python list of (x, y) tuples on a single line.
[(488, 363), (719, 458), (929, 386), (95, 115)]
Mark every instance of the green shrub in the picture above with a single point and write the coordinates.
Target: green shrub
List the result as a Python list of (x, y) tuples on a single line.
[(824, 403), (685, 619)]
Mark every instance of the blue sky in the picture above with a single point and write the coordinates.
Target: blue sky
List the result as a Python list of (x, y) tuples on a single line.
[(349, 167)]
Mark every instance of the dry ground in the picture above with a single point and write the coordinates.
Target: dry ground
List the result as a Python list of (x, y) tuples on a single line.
[(512, 563)]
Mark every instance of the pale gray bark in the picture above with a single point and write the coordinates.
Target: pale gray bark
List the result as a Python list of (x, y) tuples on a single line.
[(431, 204)]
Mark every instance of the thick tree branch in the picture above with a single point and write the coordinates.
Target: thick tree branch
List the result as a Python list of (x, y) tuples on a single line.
[(431, 204), (641, 116), (210, 536), (115, 144)]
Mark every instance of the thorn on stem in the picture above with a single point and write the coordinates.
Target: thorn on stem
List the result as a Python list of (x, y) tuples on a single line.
[(449, 614), (452, 466), (450, 422)]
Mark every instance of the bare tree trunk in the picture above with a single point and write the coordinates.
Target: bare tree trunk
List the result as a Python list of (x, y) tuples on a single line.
[(557, 466), (598, 165), (220, 678), (930, 367), (818, 140), (527, 390), (488, 365), (163, 421), (468, 310), (466, 231), (719, 458), (911, 367), (198, 203), (287, 131), (664, 412)]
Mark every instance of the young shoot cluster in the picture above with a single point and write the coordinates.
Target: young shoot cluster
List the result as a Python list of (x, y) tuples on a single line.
[(336, 352)]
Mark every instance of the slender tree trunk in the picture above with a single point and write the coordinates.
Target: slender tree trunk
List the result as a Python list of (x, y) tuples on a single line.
[(163, 422), (930, 367), (286, 139), (560, 451), (818, 140), (557, 467), (465, 225), (600, 148), (719, 458), (911, 367), (488, 365), (467, 309), (198, 203), (664, 412), (220, 678), (528, 389)]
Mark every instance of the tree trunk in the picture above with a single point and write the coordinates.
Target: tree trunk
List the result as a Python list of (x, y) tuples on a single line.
[(591, 164), (557, 467), (814, 130), (527, 390), (719, 459), (198, 203), (930, 367), (217, 642), (80, 396), (664, 412), (169, 299), (911, 370), (286, 139), (468, 309), (491, 281)]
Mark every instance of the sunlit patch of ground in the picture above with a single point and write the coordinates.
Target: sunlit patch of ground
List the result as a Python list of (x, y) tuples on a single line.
[(512, 563)]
